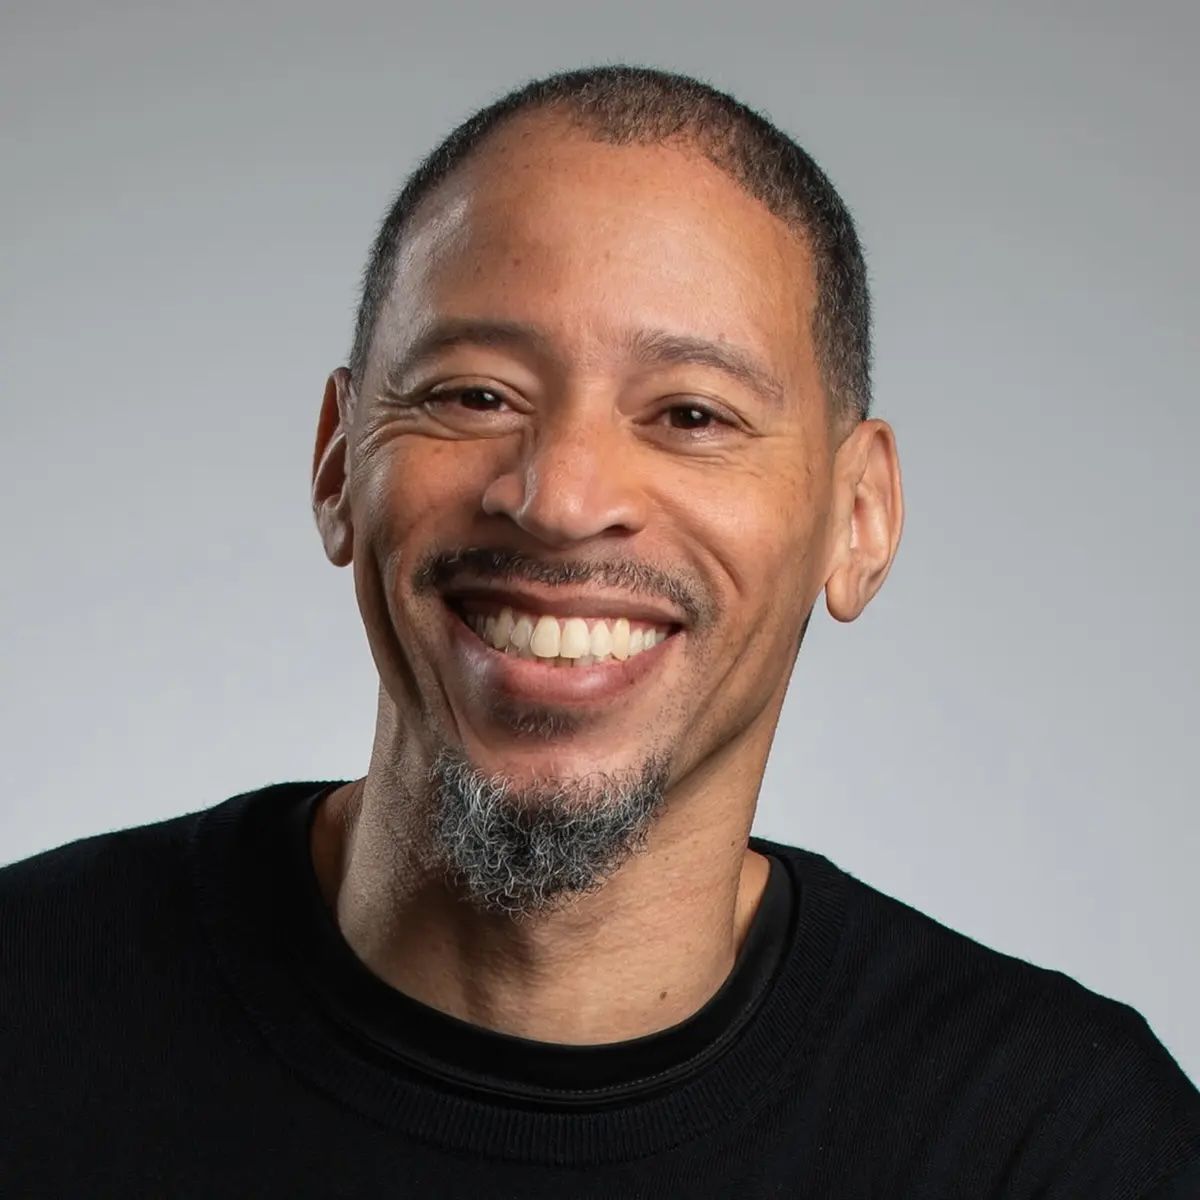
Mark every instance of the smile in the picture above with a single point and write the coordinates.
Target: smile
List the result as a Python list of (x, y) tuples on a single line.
[(576, 657), (574, 641)]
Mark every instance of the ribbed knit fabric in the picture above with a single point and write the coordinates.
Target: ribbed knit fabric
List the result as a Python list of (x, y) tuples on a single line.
[(161, 1034)]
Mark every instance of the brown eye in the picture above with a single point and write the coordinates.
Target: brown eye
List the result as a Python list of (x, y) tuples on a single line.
[(689, 416), (472, 410), (477, 399), (462, 400)]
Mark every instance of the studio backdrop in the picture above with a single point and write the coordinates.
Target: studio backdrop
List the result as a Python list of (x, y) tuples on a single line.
[(1005, 738)]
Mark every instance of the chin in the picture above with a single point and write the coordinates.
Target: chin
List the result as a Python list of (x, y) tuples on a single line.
[(535, 757)]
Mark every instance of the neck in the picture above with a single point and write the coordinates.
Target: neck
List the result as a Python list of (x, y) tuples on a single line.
[(639, 955)]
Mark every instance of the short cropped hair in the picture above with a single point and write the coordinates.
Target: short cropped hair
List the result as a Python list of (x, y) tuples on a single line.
[(641, 105)]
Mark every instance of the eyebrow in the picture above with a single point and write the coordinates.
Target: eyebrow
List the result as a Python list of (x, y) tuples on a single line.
[(657, 347), (650, 347)]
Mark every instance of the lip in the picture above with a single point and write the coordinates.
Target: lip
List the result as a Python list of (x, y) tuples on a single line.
[(532, 681), (565, 602)]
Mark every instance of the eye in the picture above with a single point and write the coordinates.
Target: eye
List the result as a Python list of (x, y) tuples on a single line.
[(473, 399), (472, 409), (692, 417)]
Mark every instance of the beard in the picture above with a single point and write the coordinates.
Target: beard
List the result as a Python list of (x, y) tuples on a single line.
[(525, 850)]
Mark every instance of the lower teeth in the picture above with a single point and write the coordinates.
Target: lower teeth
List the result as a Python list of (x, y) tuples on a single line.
[(586, 661)]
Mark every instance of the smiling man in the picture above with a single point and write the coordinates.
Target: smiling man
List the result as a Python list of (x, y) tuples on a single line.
[(601, 446)]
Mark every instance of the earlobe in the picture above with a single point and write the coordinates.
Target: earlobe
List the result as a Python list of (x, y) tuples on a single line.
[(330, 481), (844, 593)]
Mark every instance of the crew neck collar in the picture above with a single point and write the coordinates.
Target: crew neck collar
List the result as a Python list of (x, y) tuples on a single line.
[(473, 1059), (255, 910)]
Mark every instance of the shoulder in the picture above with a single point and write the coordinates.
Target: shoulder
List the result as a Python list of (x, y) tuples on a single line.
[(95, 859), (99, 861), (91, 897), (104, 899), (896, 951), (921, 1011), (106, 905), (124, 866)]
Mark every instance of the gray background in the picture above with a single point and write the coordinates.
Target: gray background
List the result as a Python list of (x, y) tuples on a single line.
[(1005, 739)]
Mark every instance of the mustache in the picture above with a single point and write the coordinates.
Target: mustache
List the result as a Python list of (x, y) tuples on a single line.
[(440, 569)]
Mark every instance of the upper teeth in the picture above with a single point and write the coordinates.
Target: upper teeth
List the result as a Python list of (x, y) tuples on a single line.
[(582, 640)]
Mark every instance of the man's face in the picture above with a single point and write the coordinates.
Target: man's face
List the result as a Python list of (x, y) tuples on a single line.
[(548, 453)]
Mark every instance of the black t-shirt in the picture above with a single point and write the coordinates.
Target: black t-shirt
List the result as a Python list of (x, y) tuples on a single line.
[(180, 1017)]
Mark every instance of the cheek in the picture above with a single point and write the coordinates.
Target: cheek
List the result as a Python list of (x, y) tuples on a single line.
[(421, 482), (758, 528), (414, 494)]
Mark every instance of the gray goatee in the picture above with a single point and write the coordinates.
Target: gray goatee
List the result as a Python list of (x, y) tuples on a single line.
[(523, 850)]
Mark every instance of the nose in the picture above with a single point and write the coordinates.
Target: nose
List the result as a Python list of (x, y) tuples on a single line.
[(575, 478)]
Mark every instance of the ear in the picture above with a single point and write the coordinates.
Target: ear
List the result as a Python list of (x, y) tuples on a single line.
[(868, 518), (330, 485)]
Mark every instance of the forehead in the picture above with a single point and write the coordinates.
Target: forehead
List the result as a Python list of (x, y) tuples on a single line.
[(591, 241)]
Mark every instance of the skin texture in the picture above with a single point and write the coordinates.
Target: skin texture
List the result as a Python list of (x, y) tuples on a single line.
[(575, 451)]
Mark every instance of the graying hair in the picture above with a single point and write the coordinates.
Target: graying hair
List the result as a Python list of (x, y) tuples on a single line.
[(522, 850)]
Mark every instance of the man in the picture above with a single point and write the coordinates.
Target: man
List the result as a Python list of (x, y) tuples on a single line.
[(601, 445)]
